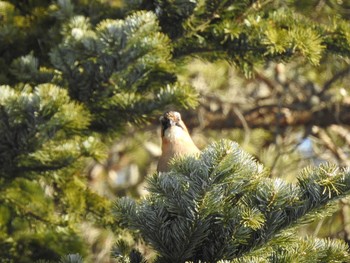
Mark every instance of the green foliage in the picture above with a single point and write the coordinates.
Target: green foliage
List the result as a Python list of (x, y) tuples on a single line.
[(71, 77), (39, 129), (29, 247), (300, 250), (117, 68), (44, 136), (223, 206), (247, 33), (26, 69), (74, 76)]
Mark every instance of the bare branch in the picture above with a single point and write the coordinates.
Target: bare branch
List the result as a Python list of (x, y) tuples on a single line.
[(329, 144), (331, 81), (269, 115)]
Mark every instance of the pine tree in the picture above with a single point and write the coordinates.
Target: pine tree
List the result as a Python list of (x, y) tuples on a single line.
[(224, 206), (76, 75), (60, 111)]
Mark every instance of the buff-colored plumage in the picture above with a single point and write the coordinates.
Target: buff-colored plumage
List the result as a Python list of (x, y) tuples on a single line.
[(176, 141)]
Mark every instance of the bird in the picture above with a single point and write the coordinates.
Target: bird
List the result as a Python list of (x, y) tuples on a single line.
[(176, 141)]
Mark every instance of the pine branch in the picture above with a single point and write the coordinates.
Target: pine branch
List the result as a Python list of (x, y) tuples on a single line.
[(226, 196), (306, 250), (28, 213)]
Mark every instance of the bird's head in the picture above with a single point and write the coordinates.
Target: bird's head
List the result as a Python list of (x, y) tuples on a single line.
[(172, 124)]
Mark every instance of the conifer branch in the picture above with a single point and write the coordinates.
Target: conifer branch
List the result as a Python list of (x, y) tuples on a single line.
[(225, 196)]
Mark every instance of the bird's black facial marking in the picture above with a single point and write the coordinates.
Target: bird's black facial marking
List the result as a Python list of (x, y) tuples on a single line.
[(170, 118), (165, 123)]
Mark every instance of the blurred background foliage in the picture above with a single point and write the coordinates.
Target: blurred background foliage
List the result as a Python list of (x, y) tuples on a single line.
[(83, 83)]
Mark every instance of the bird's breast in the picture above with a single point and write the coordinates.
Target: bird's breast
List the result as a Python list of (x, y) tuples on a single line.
[(175, 133), (175, 142)]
